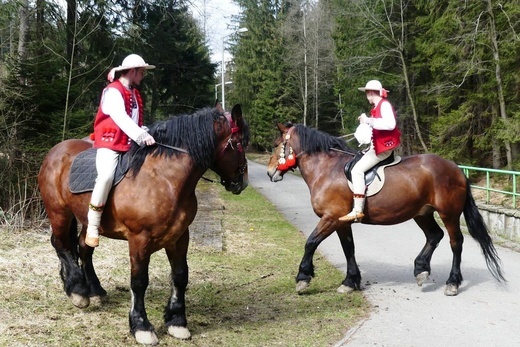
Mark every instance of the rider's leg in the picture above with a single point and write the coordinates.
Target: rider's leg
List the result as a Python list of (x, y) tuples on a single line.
[(106, 162), (369, 160)]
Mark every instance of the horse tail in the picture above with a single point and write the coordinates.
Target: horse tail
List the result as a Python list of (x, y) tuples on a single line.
[(478, 230)]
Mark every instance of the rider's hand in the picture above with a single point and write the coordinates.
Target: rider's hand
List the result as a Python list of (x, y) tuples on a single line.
[(148, 140), (145, 139), (363, 119)]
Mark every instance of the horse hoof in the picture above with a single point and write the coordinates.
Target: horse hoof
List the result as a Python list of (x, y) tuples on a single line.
[(343, 289), (451, 290), (179, 332), (146, 337), (79, 300), (301, 285), (423, 276), (96, 301)]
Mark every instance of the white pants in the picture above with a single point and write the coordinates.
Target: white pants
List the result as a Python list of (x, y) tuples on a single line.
[(106, 163), (368, 161)]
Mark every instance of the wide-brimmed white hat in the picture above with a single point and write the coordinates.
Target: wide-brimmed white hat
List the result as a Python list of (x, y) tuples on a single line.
[(133, 61), (375, 85)]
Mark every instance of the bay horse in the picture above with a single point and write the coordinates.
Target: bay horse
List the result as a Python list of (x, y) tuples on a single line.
[(415, 188), (151, 208)]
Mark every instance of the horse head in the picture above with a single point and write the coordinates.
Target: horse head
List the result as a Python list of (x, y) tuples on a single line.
[(232, 140), (285, 152)]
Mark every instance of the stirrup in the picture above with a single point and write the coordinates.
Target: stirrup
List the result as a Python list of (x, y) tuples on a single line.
[(352, 216)]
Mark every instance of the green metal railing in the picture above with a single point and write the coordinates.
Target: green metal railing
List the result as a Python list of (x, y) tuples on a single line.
[(488, 189)]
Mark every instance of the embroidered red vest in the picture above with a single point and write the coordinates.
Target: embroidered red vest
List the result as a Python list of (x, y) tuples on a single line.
[(106, 132), (384, 140)]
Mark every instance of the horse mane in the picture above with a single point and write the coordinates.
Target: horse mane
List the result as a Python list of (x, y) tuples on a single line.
[(194, 133), (313, 141)]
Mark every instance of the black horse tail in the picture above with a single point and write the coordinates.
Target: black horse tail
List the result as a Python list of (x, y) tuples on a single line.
[(478, 230)]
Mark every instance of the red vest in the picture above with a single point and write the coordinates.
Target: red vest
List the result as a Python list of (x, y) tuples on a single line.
[(106, 132), (384, 140)]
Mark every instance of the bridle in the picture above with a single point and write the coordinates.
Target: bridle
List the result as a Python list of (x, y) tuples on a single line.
[(234, 143), (242, 163), (286, 164)]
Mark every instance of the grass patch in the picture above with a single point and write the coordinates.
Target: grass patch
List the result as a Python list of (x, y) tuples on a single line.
[(240, 295)]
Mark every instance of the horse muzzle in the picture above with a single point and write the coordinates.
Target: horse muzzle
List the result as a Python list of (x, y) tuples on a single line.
[(236, 187), (275, 175)]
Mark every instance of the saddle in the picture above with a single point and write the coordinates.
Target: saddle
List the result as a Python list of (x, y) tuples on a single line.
[(82, 176), (373, 185)]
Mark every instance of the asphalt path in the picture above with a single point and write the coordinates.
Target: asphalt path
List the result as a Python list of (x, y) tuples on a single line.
[(484, 313)]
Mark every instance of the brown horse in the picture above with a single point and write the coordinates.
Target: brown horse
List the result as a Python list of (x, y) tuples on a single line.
[(414, 188), (151, 208)]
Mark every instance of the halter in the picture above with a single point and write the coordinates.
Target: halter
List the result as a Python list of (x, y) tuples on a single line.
[(289, 163)]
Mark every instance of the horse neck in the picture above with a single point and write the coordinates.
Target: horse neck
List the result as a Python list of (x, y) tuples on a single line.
[(309, 165), (180, 171)]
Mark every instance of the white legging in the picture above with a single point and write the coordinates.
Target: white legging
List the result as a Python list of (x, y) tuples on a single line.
[(106, 162), (369, 160)]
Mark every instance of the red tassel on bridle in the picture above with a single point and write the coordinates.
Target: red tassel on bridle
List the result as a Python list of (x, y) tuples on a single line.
[(288, 163)]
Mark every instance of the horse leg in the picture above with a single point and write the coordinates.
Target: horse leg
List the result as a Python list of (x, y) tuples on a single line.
[(434, 234), (452, 224), (306, 270), (64, 239), (140, 326), (97, 292), (175, 310), (353, 278)]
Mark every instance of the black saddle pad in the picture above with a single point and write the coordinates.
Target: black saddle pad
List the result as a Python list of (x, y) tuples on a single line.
[(83, 172), (371, 174)]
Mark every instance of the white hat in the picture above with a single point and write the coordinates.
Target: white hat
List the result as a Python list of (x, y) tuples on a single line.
[(132, 61), (375, 85)]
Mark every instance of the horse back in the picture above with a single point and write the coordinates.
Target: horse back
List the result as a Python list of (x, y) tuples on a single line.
[(53, 178), (422, 183)]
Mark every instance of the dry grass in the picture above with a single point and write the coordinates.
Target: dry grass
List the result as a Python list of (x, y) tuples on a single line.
[(241, 294)]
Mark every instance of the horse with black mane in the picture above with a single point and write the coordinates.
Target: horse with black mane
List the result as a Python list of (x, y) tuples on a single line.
[(152, 207), (415, 188)]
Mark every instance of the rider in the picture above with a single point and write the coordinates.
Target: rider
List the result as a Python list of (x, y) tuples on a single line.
[(119, 120), (385, 138)]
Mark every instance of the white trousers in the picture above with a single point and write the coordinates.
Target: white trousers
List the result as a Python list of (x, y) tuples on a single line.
[(106, 162), (368, 161)]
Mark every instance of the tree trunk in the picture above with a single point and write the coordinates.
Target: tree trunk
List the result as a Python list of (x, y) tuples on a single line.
[(24, 25), (412, 103), (498, 76), (305, 68)]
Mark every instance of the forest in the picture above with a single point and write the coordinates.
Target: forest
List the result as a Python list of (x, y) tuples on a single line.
[(450, 67)]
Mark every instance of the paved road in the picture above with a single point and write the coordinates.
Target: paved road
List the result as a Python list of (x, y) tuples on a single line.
[(485, 313)]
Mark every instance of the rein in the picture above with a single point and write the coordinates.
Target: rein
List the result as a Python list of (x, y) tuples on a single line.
[(351, 152), (172, 147), (286, 163)]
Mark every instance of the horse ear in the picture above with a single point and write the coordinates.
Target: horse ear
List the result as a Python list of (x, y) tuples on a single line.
[(236, 115), (218, 106), (282, 127)]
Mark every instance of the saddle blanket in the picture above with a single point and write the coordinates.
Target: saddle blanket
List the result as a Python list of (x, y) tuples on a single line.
[(82, 176), (377, 180)]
